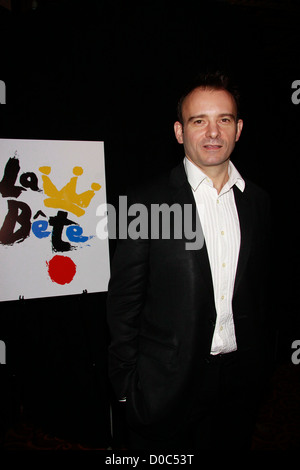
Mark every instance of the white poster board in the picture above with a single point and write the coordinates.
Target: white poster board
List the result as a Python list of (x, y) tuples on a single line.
[(49, 193)]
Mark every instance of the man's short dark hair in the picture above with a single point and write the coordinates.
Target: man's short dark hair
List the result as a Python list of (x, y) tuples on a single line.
[(214, 81)]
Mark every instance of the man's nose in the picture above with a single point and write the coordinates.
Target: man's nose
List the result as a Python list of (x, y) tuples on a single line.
[(212, 130)]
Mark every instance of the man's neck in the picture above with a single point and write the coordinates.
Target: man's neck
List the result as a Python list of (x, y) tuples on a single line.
[(219, 178), (218, 174)]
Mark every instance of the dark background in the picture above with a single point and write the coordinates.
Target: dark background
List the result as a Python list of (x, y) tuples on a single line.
[(113, 71)]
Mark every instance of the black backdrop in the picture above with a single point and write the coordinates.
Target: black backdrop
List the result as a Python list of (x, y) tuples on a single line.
[(112, 71)]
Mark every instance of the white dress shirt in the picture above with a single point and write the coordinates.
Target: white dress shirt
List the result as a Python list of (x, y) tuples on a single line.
[(221, 229)]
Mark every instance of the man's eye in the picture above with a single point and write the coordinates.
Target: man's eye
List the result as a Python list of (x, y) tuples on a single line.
[(198, 121), (225, 120)]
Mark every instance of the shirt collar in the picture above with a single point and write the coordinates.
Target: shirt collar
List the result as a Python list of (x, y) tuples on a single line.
[(235, 178), (196, 176)]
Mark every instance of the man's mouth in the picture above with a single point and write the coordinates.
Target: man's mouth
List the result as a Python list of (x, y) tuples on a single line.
[(212, 147)]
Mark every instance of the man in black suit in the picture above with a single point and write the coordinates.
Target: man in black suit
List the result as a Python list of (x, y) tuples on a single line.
[(188, 352)]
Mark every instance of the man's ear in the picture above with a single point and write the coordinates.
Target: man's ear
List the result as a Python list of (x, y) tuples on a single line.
[(239, 128), (178, 129)]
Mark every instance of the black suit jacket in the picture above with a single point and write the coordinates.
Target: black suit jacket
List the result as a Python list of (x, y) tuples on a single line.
[(161, 310)]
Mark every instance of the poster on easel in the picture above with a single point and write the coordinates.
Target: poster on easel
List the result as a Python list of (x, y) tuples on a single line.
[(49, 194)]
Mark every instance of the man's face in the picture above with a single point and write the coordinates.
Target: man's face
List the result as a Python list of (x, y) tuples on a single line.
[(210, 128)]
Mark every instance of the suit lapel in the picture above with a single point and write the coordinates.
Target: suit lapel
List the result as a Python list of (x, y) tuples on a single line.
[(182, 194), (246, 226)]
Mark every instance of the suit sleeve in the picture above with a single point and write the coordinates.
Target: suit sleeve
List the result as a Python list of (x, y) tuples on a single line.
[(126, 294)]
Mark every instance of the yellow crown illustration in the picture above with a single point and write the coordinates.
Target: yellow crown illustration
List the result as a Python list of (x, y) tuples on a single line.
[(67, 198)]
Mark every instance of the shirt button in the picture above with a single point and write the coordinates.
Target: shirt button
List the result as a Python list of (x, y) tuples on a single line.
[(221, 328), (222, 232), (223, 265), (222, 298)]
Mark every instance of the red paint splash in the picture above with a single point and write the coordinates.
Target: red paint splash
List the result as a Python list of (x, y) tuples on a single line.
[(61, 269)]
